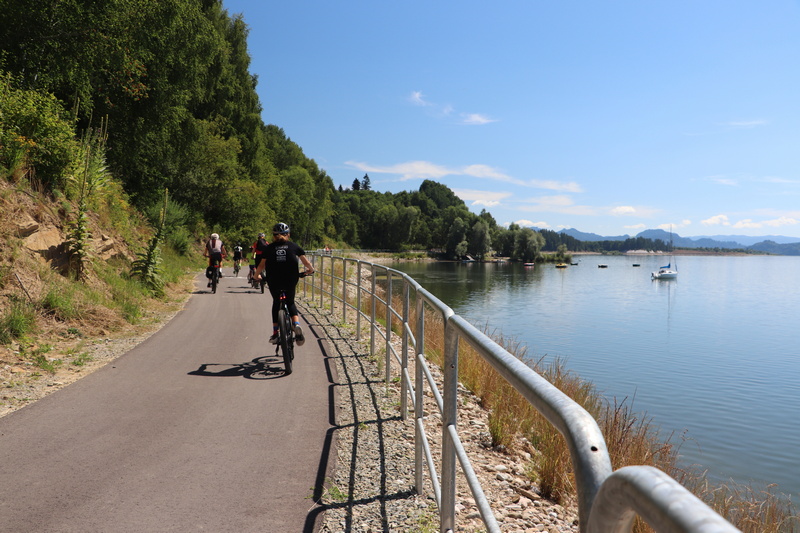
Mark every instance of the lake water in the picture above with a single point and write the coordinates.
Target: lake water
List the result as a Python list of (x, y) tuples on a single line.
[(714, 354)]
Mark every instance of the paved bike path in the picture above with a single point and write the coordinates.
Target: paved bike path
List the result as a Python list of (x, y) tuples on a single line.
[(195, 429)]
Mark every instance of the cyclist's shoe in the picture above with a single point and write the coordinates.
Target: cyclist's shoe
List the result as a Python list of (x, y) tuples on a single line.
[(273, 339), (298, 335), (209, 284)]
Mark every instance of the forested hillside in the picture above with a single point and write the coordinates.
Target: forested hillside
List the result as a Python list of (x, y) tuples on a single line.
[(164, 91)]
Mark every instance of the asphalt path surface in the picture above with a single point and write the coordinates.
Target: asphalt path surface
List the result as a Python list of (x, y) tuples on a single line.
[(195, 429)]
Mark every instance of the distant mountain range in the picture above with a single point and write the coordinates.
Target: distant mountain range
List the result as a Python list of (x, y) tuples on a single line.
[(774, 244)]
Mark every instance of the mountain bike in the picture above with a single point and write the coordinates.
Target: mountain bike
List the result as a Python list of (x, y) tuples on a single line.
[(286, 339), (215, 277), (236, 268)]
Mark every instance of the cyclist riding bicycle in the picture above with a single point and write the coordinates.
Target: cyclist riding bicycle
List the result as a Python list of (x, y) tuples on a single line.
[(215, 251), (280, 261), (237, 253), (256, 255)]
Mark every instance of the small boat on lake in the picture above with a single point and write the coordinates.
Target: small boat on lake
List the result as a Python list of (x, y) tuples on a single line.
[(528, 264), (561, 265), (602, 265), (666, 272)]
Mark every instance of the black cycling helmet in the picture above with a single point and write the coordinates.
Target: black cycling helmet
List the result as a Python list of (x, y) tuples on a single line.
[(280, 229)]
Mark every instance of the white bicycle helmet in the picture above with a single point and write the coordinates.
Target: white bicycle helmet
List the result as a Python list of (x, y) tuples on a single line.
[(280, 228)]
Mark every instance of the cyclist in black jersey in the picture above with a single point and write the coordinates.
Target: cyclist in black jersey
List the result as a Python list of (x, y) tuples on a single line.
[(280, 260)]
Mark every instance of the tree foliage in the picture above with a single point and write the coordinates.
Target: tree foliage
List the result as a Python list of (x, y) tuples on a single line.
[(173, 79)]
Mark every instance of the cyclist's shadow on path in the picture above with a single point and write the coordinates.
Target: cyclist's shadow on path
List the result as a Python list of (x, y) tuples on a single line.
[(267, 367)]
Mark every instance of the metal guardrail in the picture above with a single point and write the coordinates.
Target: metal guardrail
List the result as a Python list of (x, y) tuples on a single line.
[(608, 500)]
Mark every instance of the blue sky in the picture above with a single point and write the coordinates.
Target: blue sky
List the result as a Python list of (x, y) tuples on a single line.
[(610, 117)]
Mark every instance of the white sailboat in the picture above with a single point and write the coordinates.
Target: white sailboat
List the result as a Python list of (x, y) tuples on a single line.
[(667, 272)]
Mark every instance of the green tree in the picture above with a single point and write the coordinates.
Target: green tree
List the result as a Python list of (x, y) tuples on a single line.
[(480, 241), (527, 244)]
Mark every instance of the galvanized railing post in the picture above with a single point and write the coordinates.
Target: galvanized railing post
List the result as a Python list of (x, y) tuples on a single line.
[(404, 365), (388, 369), (333, 285), (358, 300), (321, 280), (373, 315), (344, 290), (449, 418), (419, 391)]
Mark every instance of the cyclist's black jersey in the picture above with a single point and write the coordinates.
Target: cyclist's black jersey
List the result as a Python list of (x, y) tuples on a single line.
[(237, 253), (282, 262)]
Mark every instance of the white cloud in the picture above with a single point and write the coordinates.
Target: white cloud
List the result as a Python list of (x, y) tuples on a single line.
[(716, 220), (623, 210), (747, 223), (556, 204), (473, 119), (417, 98), (426, 170), (725, 181), (673, 226), (779, 222), (553, 185), (523, 223), (481, 198), (407, 171), (636, 227)]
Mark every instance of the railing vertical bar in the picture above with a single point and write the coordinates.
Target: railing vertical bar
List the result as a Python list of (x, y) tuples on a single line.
[(449, 418), (419, 405), (404, 385), (388, 369), (344, 290), (358, 300), (373, 315)]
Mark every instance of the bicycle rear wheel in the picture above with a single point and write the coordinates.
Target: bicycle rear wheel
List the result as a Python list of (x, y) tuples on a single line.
[(214, 280), (287, 341)]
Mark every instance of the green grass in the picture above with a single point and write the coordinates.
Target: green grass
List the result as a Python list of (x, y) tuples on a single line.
[(18, 321)]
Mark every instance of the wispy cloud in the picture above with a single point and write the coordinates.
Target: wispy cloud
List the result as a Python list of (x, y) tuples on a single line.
[(524, 223), (636, 227), (481, 198), (716, 220), (417, 98), (669, 226), (475, 119), (780, 222), (562, 186), (421, 170), (562, 204), (623, 210), (746, 123), (725, 181)]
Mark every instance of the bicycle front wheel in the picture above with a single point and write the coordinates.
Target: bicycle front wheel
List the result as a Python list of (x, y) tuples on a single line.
[(287, 342)]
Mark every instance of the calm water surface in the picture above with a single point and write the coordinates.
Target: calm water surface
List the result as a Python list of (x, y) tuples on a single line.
[(713, 356)]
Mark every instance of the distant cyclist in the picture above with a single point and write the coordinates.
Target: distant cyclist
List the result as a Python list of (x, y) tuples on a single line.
[(237, 256), (280, 261), (256, 255), (215, 251)]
